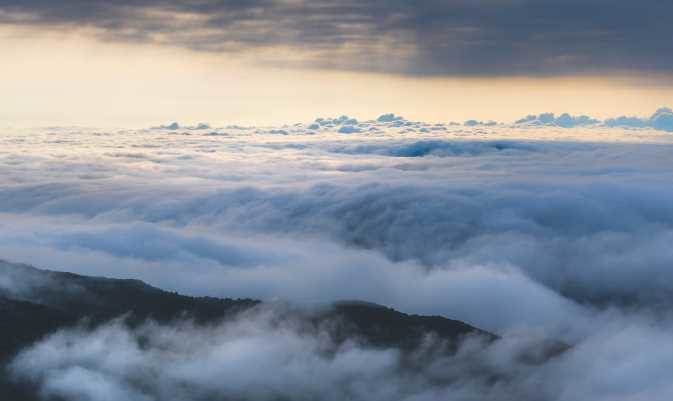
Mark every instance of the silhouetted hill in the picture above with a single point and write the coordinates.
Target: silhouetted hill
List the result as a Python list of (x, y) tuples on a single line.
[(383, 326), (64, 298), (103, 298), (34, 303)]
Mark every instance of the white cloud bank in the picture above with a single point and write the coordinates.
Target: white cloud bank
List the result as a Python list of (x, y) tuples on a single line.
[(661, 120), (562, 233)]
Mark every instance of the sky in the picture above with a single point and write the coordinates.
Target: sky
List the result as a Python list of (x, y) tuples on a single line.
[(398, 152), (141, 62)]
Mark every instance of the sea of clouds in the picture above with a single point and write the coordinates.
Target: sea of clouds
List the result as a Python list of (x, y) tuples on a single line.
[(528, 231)]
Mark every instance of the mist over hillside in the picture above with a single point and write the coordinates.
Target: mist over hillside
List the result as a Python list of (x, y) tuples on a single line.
[(542, 252), (63, 330)]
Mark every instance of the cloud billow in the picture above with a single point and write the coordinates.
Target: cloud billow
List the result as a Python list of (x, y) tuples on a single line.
[(260, 357), (565, 120), (661, 120), (528, 233), (405, 200)]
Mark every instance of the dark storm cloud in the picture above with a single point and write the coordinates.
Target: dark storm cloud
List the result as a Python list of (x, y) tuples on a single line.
[(457, 37)]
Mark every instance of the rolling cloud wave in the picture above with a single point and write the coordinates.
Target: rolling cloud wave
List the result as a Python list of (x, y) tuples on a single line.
[(553, 236)]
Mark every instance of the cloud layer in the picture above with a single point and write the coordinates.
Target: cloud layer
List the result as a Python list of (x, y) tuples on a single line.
[(433, 38), (529, 232)]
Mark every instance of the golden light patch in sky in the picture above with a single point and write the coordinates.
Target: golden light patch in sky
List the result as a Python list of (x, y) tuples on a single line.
[(73, 78)]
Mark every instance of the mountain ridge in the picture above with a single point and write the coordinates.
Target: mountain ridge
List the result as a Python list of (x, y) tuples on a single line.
[(67, 298)]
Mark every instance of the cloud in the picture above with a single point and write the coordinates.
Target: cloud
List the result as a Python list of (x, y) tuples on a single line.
[(624, 121), (171, 126), (262, 357), (254, 358), (363, 216), (433, 38), (389, 118), (436, 148), (263, 268), (475, 123), (175, 126), (530, 233), (565, 120), (349, 129), (342, 120), (661, 120)]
